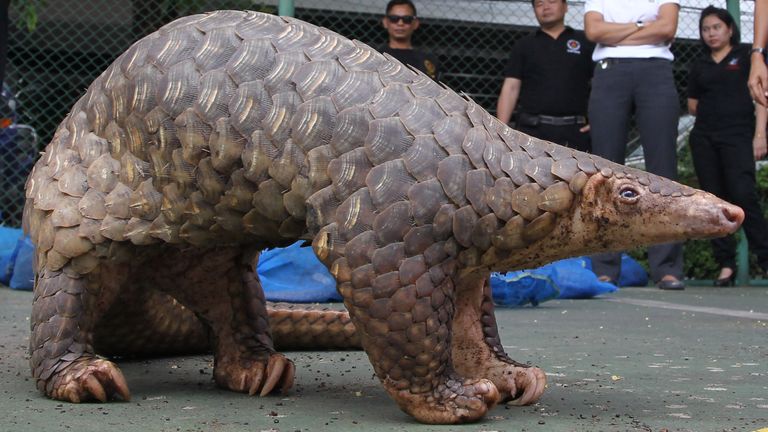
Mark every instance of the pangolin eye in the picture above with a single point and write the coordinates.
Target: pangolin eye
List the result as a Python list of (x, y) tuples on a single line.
[(628, 193)]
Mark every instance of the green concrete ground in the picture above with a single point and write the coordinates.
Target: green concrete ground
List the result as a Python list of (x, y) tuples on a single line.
[(641, 359)]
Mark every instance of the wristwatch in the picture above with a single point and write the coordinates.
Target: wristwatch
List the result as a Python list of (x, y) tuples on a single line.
[(757, 50), (640, 24)]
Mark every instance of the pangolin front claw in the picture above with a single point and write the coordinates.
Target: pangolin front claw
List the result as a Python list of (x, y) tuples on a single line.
[(89, 379), (279, 371), (260, 376), (530, 383)]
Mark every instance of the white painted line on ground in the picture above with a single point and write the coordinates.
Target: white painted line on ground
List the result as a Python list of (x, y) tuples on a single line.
[(688, 308)]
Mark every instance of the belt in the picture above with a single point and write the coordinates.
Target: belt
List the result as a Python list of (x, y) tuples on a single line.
[(562, 121), (525, 119), (610, 61)]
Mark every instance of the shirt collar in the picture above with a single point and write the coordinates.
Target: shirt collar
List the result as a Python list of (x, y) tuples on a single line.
[(568, 30)]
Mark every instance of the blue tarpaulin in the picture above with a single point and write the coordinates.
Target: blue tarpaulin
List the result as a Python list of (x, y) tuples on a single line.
[(294, 274)]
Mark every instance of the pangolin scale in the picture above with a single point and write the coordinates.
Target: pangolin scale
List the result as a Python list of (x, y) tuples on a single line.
[(228, 132)]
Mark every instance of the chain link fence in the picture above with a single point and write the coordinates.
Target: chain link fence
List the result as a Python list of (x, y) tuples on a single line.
[(50, 67)]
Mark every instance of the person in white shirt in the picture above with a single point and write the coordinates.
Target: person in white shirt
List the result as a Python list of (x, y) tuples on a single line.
[(633, 71), (758, 73)]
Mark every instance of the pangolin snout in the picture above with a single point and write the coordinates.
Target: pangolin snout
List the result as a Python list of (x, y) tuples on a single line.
[(710, 217), (733, 216)]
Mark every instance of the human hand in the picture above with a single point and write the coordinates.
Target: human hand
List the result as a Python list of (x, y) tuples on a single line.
[(584, 129), (758, 79), (759, 147)]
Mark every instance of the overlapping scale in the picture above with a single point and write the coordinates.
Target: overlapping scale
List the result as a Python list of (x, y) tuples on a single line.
[(389, 100), (259, 25), (452, 173), (209, 182), (388, 182), (450, 132), (387, 139), (281, 74), (313, 123), (355, 214), (173, 47), (194, 134), (142, 91), (252, 61), (350, 130), (216, 48), (348, 172), (277, 122), (285, 167), (356, 89), (318, 78), (179, 87), (248, 106), (216, 90), (226, 145), (423, 156)]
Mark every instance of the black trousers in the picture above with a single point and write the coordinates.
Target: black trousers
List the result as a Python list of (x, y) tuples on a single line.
[(647, 85), (567, 135), (725, 166)]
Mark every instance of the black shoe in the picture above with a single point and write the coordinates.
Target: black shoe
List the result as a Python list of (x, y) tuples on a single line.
[(726, 281), (671, 285)]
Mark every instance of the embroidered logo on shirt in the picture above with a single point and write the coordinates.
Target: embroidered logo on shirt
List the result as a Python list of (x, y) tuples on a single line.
[(733, 64), (574, 46)]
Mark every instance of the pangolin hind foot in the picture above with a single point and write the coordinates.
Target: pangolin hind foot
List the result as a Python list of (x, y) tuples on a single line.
[(452, 400)]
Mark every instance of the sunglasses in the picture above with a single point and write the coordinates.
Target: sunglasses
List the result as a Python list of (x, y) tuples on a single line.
[(406, 19)]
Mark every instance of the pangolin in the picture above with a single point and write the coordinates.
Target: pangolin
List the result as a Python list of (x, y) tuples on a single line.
[(228, 132)]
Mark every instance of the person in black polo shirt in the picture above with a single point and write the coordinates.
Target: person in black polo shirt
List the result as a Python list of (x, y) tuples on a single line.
[(401, 22), (547, 80), (729, 133)]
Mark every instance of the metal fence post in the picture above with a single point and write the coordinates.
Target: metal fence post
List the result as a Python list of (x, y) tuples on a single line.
[(742, 259), (285, 8), (734, 8)]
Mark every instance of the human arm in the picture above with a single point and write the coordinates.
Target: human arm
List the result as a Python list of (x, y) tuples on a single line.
[(693, 105), (607, 33), (661, 30), (510, 91), (759, 141), (758, 73)]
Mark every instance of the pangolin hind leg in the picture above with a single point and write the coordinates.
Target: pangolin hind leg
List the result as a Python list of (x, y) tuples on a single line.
[(146, 322), (477, 351), (224, 292), (64, 312), (403, 312)]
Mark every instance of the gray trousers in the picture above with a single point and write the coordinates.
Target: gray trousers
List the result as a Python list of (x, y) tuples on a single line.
[(647, 85)]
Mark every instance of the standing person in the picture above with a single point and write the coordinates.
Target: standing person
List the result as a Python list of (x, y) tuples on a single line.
[(547, 79), (634, 70), (726, 139), (758, 74), (401, 22)]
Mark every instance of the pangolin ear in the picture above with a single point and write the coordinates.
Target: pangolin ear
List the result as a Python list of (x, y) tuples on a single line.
[(596, 188)]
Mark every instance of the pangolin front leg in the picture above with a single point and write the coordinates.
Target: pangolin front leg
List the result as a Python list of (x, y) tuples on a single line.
[(477, 350), (403, 310), (226, 294), (63, 361)]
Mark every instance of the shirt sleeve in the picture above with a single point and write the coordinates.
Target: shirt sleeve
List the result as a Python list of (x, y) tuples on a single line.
[(694, 88), (514, 67), (593, 6)]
